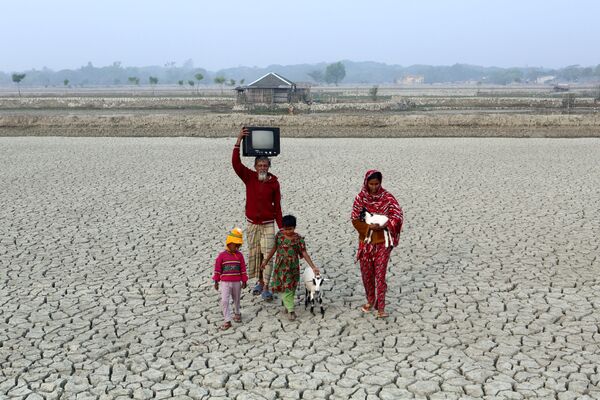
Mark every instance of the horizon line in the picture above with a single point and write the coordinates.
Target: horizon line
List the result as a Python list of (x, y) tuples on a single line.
[(119, 65)]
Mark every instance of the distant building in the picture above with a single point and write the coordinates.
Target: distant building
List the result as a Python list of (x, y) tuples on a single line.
[(545, 79), (411, 79), (272, 88), (561, 87)]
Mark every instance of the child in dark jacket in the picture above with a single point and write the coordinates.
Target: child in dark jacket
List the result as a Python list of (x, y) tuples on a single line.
[(230, 271)]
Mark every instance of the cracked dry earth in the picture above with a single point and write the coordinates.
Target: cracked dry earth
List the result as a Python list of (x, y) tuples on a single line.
[(107, 248)]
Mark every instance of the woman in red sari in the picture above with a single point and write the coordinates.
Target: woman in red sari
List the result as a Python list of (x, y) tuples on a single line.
[(374, 257)]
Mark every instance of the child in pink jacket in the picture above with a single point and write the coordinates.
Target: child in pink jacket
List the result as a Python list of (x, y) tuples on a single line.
[(230, 271)]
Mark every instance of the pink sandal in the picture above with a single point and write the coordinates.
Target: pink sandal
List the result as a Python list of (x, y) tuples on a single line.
[(366, 308), (225, 326)]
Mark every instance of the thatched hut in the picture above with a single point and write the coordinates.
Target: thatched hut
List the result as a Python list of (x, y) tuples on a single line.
[(272, 89)]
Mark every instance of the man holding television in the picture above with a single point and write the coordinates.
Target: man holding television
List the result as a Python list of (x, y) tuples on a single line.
[(263, 210)]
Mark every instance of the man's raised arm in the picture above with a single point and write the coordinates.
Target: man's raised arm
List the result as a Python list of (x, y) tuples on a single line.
[(277, 204), (240, 169)]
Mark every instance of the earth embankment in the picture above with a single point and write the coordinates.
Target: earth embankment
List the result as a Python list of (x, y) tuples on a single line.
[(401, 116), (136, 123)]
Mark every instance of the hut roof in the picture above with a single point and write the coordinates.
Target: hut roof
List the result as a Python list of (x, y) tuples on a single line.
[(271, 81)]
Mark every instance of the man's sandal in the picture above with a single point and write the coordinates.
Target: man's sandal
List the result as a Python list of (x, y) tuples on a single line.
[(225, 326), (237, 317), (266, 295), (366, 308), (292, 316), (258, 288)]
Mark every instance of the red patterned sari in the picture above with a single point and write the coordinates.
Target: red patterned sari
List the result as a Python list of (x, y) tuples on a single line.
[(374, 258)]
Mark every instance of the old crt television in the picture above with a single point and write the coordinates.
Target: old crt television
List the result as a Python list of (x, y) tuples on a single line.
[(261, 141)]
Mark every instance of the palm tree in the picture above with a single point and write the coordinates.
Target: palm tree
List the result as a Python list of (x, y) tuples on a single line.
[(133, 80), (198, 77), (17, 78), (219, 80), (153, 81)]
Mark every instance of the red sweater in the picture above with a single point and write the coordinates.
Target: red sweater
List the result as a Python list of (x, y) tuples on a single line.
[(263, 199), (230, 267)]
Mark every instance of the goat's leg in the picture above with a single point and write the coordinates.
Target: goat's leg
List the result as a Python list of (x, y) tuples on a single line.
[(305, 298), (368, 236), (322, 309)]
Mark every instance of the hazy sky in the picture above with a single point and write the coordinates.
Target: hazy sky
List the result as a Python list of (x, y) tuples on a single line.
[(218, 34)]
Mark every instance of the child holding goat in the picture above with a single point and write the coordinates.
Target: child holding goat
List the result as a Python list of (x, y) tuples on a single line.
[(290, 247)]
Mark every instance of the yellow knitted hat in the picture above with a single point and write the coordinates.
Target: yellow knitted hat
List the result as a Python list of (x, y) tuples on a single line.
[(235, 236)]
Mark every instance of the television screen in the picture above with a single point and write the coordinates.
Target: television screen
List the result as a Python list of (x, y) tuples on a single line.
[(261, 141)]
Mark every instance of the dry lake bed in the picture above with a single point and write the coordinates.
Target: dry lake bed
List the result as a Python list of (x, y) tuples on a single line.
[(107, 247)]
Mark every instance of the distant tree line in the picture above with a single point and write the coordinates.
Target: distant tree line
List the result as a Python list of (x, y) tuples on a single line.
[(114, 74), (321, 73)]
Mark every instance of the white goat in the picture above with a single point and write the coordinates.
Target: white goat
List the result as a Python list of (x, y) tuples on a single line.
[(312, 292), (380, 220)]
